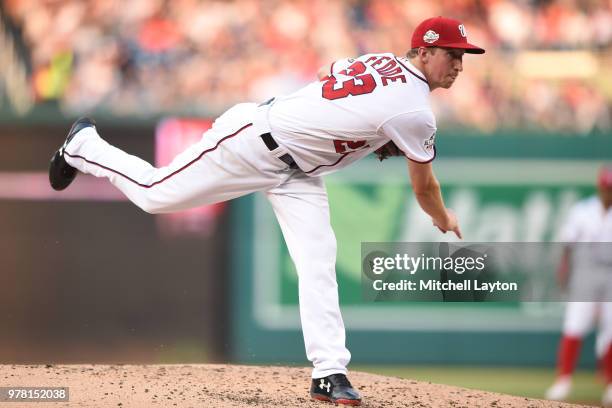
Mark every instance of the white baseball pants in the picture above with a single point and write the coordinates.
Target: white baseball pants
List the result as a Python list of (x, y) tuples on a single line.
[(581, 317), (604, 337), (230, 161), (590, 283)]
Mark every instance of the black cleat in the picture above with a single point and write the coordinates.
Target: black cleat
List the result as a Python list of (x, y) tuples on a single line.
[(335, 388), (61, 173)]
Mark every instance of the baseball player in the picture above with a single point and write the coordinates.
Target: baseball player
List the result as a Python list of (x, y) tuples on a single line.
[(283, 147), (586, 269)]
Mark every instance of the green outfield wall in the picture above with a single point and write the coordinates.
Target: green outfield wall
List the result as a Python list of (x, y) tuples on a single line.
[(504, 189)]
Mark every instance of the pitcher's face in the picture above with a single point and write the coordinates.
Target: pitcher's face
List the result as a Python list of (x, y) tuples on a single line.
[(443, 66)]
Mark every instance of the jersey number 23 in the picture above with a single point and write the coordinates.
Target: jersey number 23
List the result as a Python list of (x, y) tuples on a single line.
[(358, 83)]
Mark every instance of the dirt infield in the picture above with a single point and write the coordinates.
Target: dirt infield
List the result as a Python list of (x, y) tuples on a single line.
[(209, 385)]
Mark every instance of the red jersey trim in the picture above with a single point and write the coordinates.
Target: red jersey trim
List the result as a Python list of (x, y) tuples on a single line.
[(425, 162), (328, 165), (331, 68), (412, 72)]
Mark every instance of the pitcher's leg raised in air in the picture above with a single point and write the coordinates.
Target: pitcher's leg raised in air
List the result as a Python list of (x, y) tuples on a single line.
[(229, 161)]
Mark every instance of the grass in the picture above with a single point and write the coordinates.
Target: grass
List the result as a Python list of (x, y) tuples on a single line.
[(525, 382)]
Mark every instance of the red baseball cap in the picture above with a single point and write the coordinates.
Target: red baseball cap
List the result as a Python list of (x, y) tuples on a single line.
[(443, 32), (604, 179)]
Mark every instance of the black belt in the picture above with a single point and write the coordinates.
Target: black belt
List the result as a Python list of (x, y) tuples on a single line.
[(272, 145)]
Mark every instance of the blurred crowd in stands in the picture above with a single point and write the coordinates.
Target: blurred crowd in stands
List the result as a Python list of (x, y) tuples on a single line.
[(143, 57)]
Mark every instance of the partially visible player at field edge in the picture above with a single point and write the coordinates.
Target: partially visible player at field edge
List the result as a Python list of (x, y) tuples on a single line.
[(586, 271), (283, 147)]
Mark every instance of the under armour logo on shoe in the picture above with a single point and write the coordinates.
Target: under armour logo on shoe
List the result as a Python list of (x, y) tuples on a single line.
[(323, 385)]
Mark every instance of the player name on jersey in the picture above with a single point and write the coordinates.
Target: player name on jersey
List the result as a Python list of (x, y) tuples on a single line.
[(388, 68)]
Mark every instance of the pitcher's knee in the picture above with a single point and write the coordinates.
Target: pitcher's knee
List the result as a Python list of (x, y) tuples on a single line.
[(327, 246), (151, 209), (320, 255)]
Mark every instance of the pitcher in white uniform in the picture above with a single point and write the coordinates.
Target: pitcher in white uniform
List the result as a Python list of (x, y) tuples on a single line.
[(282, 148), (586, 269)]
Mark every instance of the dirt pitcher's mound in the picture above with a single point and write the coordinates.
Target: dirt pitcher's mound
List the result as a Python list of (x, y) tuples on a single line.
[(209, 385)]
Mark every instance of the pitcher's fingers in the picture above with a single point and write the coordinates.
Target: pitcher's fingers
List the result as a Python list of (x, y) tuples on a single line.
[(457, 232)]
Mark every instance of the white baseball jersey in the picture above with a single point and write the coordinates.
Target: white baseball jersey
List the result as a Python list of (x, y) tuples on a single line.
[(360, 106), (588, 227), (589, 222)]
